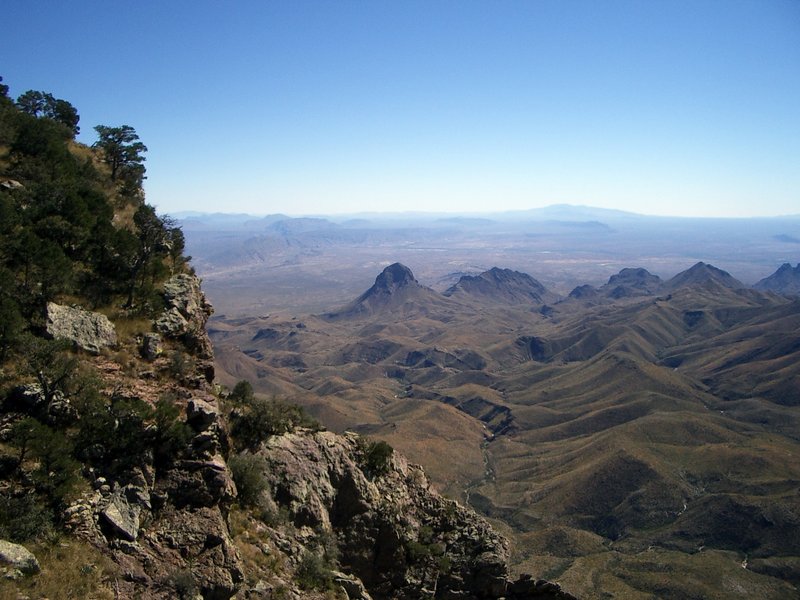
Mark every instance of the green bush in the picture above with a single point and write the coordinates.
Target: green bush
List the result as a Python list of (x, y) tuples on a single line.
[(24, 518), (248, 475), (172, 434), (242, 393), (315, 573), (378, 458), (260, 418), (184, 584), (56, 472)]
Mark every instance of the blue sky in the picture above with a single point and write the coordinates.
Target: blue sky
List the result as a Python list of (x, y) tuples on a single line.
[(653, 106)]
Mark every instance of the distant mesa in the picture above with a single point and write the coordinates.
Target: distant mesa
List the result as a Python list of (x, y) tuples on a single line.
[(503, 285), (786, 280), (785, 237), (301, 225), (706, 275)]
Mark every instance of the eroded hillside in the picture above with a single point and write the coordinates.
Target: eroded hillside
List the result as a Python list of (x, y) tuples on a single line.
[(623, 435)]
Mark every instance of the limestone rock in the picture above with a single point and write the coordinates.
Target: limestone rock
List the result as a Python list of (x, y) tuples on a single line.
[(89, 331), (351, 585), (30, 398), (18, 558)]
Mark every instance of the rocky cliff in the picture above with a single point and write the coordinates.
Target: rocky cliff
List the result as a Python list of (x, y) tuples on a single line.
[(329, 514)]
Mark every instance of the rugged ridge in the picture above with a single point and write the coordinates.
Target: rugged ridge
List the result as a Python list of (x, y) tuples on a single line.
[(704, 274), (503, 285), (786, 280), (395, 533)]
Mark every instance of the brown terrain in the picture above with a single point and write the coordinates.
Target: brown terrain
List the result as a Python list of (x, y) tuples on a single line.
[(635, 439)]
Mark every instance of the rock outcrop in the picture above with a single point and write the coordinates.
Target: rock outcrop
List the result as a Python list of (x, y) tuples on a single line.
[(703, 274), (186, 314), (89, 331), (394, 532), (395, 290)]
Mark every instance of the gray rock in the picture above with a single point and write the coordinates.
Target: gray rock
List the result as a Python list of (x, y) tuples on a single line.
[(201, 414), (90, 331), (151, 347), (172, 323), (184, 293), (186, 314), (18, 558), (352, 586), (31, 398), (122, 516)]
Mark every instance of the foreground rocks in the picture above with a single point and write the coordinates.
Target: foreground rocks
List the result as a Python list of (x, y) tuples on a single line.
[(394, 532), (17, 559), (89, 331)]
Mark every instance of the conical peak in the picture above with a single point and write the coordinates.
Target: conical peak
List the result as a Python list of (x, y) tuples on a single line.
[(394, 276)]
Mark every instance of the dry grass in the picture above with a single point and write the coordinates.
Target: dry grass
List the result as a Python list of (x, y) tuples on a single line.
[(70, 569)]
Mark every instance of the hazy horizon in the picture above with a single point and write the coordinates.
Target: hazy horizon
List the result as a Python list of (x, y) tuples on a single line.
[(465, 214)]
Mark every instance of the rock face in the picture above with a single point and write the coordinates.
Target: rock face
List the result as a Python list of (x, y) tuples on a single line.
[(89, 331), (186, 314), (159, 520), (394, 532), (18, 558)]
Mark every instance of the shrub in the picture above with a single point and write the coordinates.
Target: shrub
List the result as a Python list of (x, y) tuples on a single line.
[(184, 584), (378, 458), (172, 434), (248, 475), (56, 472), (260, 418), (242, 393), (24, 518), (314, 573)]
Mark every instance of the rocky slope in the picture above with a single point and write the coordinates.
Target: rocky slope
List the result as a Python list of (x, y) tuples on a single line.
[(165, 519)]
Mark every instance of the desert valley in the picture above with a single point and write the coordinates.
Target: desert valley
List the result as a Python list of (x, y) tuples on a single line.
[(634, 435)]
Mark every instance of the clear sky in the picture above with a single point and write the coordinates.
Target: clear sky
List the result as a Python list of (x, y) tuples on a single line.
[(654, 106)]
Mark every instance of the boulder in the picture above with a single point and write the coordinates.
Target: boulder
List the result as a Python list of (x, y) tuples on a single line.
[(89, 331), (30, 398), (201, 414), (122, 516), (19, 558), (151, 347), (172, 323)]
